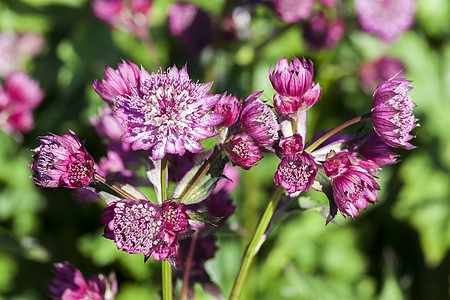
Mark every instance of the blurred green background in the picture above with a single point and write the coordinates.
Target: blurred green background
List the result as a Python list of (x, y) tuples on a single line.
[(397, 249)]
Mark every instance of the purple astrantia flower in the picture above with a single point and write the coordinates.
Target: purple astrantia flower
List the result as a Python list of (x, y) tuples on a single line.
[(374, 149), (291, 144), (372, 73), (259, 122), (136, 227), (175, 217), (62, 160), (118, 82), (107, 125), (167, 113), (191, 24), (292, 11), (353, 189), (294, 85), (296, 172), (337, 163), (230, 107), (392, 113), (387, 19), (70, 284), (243, 151)]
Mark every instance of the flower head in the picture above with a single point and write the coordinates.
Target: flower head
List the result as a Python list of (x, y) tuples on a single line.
[(337, 163), (294, 85), (230, 107), (392, 113), (296, 172), (353, 189), (62, 160), (69, 284), (243, 151), (291, 144), (166, 112), (386, 19), (135, 226), (292, 11), (259, 122), (175, 217), (118, 82)]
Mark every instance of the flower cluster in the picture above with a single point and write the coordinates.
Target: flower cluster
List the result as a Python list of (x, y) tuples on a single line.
[(62, 160), (164, 116)]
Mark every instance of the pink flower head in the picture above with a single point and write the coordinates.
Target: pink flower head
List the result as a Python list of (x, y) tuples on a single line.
[(230, 107), (174, 215), (137, 227), (372, 73), (374, 149), (387, 19), (337, 163), (319, 32), (353, 189), (167, 113), (62, 160), (243, 151), (294, 85), (118, 82), (18, 98), (191, 24), (291, 144), (259, 122), (70, 284), (296, 172), (292, 11), (392, 113)]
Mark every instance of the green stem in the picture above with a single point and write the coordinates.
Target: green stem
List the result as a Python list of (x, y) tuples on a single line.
[(167, 280), (115, 188), (335, 130), (255, 243), (166, 266)]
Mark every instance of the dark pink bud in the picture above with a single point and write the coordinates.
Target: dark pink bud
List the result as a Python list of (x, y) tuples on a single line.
[(291, 144), (320, 32), (337, 163), (230, 107), (296, 172), (259, 122), (294, 85), (243, 151), (174, 215), (62, 160)]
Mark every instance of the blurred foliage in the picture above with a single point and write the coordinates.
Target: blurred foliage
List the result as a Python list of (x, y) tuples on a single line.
[(397, 249)]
